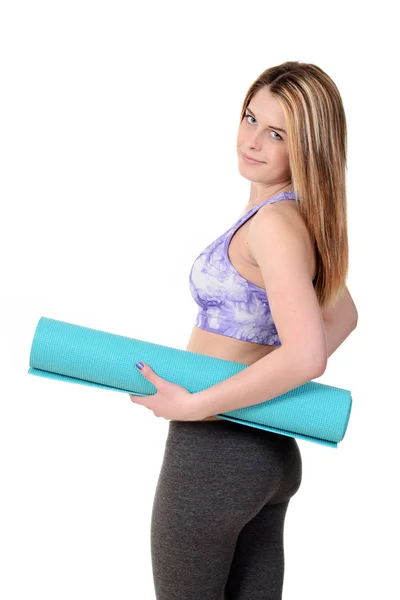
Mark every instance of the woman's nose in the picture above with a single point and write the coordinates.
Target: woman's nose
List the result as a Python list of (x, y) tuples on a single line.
[(253, 141)]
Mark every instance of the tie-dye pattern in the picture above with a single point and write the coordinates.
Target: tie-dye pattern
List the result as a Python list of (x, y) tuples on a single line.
[(230, 304)]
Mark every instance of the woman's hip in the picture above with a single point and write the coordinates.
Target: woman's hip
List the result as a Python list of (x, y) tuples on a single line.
[(229, 464)]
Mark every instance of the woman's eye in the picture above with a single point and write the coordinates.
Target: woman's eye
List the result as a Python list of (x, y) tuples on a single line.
[(278, 138)]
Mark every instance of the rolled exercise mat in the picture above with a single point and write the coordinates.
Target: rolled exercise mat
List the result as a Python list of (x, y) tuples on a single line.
[(76, 354)]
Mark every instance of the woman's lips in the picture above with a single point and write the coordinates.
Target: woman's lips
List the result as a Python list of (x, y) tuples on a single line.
[(252, 161)]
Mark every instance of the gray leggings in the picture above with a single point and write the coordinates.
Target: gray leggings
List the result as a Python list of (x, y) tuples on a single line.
[(219, 509)]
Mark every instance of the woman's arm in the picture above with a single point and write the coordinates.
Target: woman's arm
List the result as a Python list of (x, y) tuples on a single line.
[(340, 319), (277, 373), (281, 250), (343, 308), (281, 374), (336, 331)]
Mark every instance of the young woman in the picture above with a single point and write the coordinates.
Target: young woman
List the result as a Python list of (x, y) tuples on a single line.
[(272, 295)]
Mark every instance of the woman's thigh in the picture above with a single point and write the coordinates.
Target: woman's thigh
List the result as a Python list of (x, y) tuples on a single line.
[(258, 565), (215, 479)]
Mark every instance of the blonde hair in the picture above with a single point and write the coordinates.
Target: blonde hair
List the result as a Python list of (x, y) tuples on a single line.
[(317, 146)]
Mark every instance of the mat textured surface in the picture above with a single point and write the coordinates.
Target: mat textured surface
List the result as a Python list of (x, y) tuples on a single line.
[(72, 353)]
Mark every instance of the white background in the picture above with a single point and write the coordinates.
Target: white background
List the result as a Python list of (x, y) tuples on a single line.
[(118, 166)]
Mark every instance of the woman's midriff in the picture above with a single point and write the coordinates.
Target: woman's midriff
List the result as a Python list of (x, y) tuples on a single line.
[(227, 348)]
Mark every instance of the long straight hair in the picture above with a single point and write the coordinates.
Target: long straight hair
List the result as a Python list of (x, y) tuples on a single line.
[(317, 146)]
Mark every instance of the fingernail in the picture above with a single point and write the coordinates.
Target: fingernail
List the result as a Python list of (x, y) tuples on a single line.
[(140, 365)]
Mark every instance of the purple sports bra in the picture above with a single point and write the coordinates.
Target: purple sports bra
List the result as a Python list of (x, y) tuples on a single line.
[(230, 304)]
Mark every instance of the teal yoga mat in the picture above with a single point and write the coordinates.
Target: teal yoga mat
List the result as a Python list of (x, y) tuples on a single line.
[(67, 352)]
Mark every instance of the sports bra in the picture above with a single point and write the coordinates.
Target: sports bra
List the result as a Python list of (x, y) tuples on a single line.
[(229, 304)]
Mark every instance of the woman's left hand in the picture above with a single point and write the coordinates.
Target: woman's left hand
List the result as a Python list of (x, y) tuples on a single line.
[(171, 401)]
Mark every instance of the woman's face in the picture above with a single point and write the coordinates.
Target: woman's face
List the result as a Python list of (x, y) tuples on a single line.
[(261, 138)]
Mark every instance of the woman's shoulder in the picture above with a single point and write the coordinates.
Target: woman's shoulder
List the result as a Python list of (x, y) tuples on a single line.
[(288, 209)]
